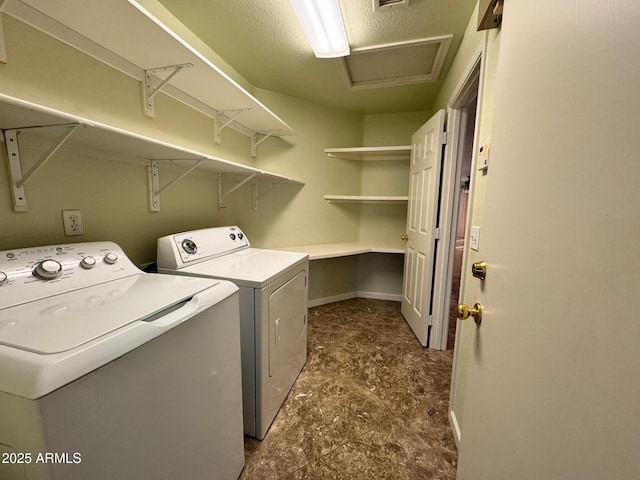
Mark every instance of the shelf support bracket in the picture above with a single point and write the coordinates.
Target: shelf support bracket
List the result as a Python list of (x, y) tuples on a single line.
[(18, 179), (255, 142), (222, 194), (155, 189), (149, 91), (222, 120), (257, 195), (3, 50)]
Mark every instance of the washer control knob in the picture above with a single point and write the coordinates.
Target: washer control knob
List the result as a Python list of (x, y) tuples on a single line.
[(111, 258), (3, 278), (233, 236), (48, 270), (240, 236), (88, 262), (189, 246)]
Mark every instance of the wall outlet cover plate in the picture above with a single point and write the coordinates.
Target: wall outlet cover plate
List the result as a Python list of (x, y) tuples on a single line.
[(72, 222)]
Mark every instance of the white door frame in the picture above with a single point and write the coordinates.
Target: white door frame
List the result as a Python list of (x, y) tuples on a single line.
[(449, 202), (474, 74)]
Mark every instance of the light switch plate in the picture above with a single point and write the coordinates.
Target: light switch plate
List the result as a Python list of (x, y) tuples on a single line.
[(474, 238), (483, 156)]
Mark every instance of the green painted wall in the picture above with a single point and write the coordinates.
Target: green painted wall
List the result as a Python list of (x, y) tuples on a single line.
[(113, 194)]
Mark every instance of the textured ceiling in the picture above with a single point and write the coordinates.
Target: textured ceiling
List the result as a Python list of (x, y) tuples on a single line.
[(263, 41)]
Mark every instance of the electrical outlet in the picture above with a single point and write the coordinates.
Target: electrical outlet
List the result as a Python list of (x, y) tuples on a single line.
[(72, 221)]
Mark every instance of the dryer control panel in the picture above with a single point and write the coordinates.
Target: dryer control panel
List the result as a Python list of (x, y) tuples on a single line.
[(186, 248), (28, 274)]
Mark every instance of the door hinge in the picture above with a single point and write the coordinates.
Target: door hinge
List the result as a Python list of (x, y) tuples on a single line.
[(436, 233), (430, 320), (443, 138)]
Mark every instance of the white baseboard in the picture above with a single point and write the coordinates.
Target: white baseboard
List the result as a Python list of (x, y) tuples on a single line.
[(396, 297), (455, 428), (346, 296), (335, 298)]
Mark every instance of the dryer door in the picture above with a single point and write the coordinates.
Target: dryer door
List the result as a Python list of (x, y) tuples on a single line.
[(288, 325)]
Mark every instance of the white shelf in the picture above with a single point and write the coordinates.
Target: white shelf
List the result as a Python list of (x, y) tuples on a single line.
[(103, 141), (402, 153), (138, 37), (371, 153), (365, 199), (334, 250)]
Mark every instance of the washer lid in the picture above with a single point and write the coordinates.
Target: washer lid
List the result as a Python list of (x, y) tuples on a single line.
[(67, 321)]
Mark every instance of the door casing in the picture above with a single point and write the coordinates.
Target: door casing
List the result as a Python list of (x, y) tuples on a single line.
[(471, 84)]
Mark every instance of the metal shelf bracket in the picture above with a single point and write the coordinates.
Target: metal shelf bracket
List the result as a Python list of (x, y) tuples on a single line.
[(153, 176), (255, 142), (222, 194), (223, 119), (257, 195), (149, 91), (18, 178), (3, 50)]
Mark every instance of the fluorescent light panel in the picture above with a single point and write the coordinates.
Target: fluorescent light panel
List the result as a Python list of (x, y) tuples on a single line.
[(321, 21)]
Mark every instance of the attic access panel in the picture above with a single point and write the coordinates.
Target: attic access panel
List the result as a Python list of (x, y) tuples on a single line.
[(395, 64)]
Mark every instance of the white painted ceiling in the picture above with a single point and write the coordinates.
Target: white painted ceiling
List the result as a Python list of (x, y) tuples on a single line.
[(263, 41)]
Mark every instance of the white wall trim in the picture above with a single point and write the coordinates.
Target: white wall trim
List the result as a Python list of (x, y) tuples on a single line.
[(455, 428), (455, 103), (335, 298), (461, 93), (396, 297)]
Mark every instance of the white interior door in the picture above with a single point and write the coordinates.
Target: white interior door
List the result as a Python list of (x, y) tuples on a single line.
[(552, 386), (422, 218)]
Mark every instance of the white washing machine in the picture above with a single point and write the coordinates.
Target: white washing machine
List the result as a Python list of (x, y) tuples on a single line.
[(108, 372), (273, 310)]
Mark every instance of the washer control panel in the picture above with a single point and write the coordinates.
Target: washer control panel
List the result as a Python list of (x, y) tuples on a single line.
[(29, 274), (181, 249)]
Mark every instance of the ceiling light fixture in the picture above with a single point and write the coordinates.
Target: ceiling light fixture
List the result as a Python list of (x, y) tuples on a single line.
[(321, 21)]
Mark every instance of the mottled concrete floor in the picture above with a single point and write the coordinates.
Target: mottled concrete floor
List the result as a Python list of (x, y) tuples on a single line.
[(370, 403)]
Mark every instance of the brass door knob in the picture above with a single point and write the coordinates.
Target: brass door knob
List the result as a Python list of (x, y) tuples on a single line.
[(404, 237), (465, 312)]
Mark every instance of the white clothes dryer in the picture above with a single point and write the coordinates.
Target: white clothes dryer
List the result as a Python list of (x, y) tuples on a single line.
[(108, 372), (273, 310)]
